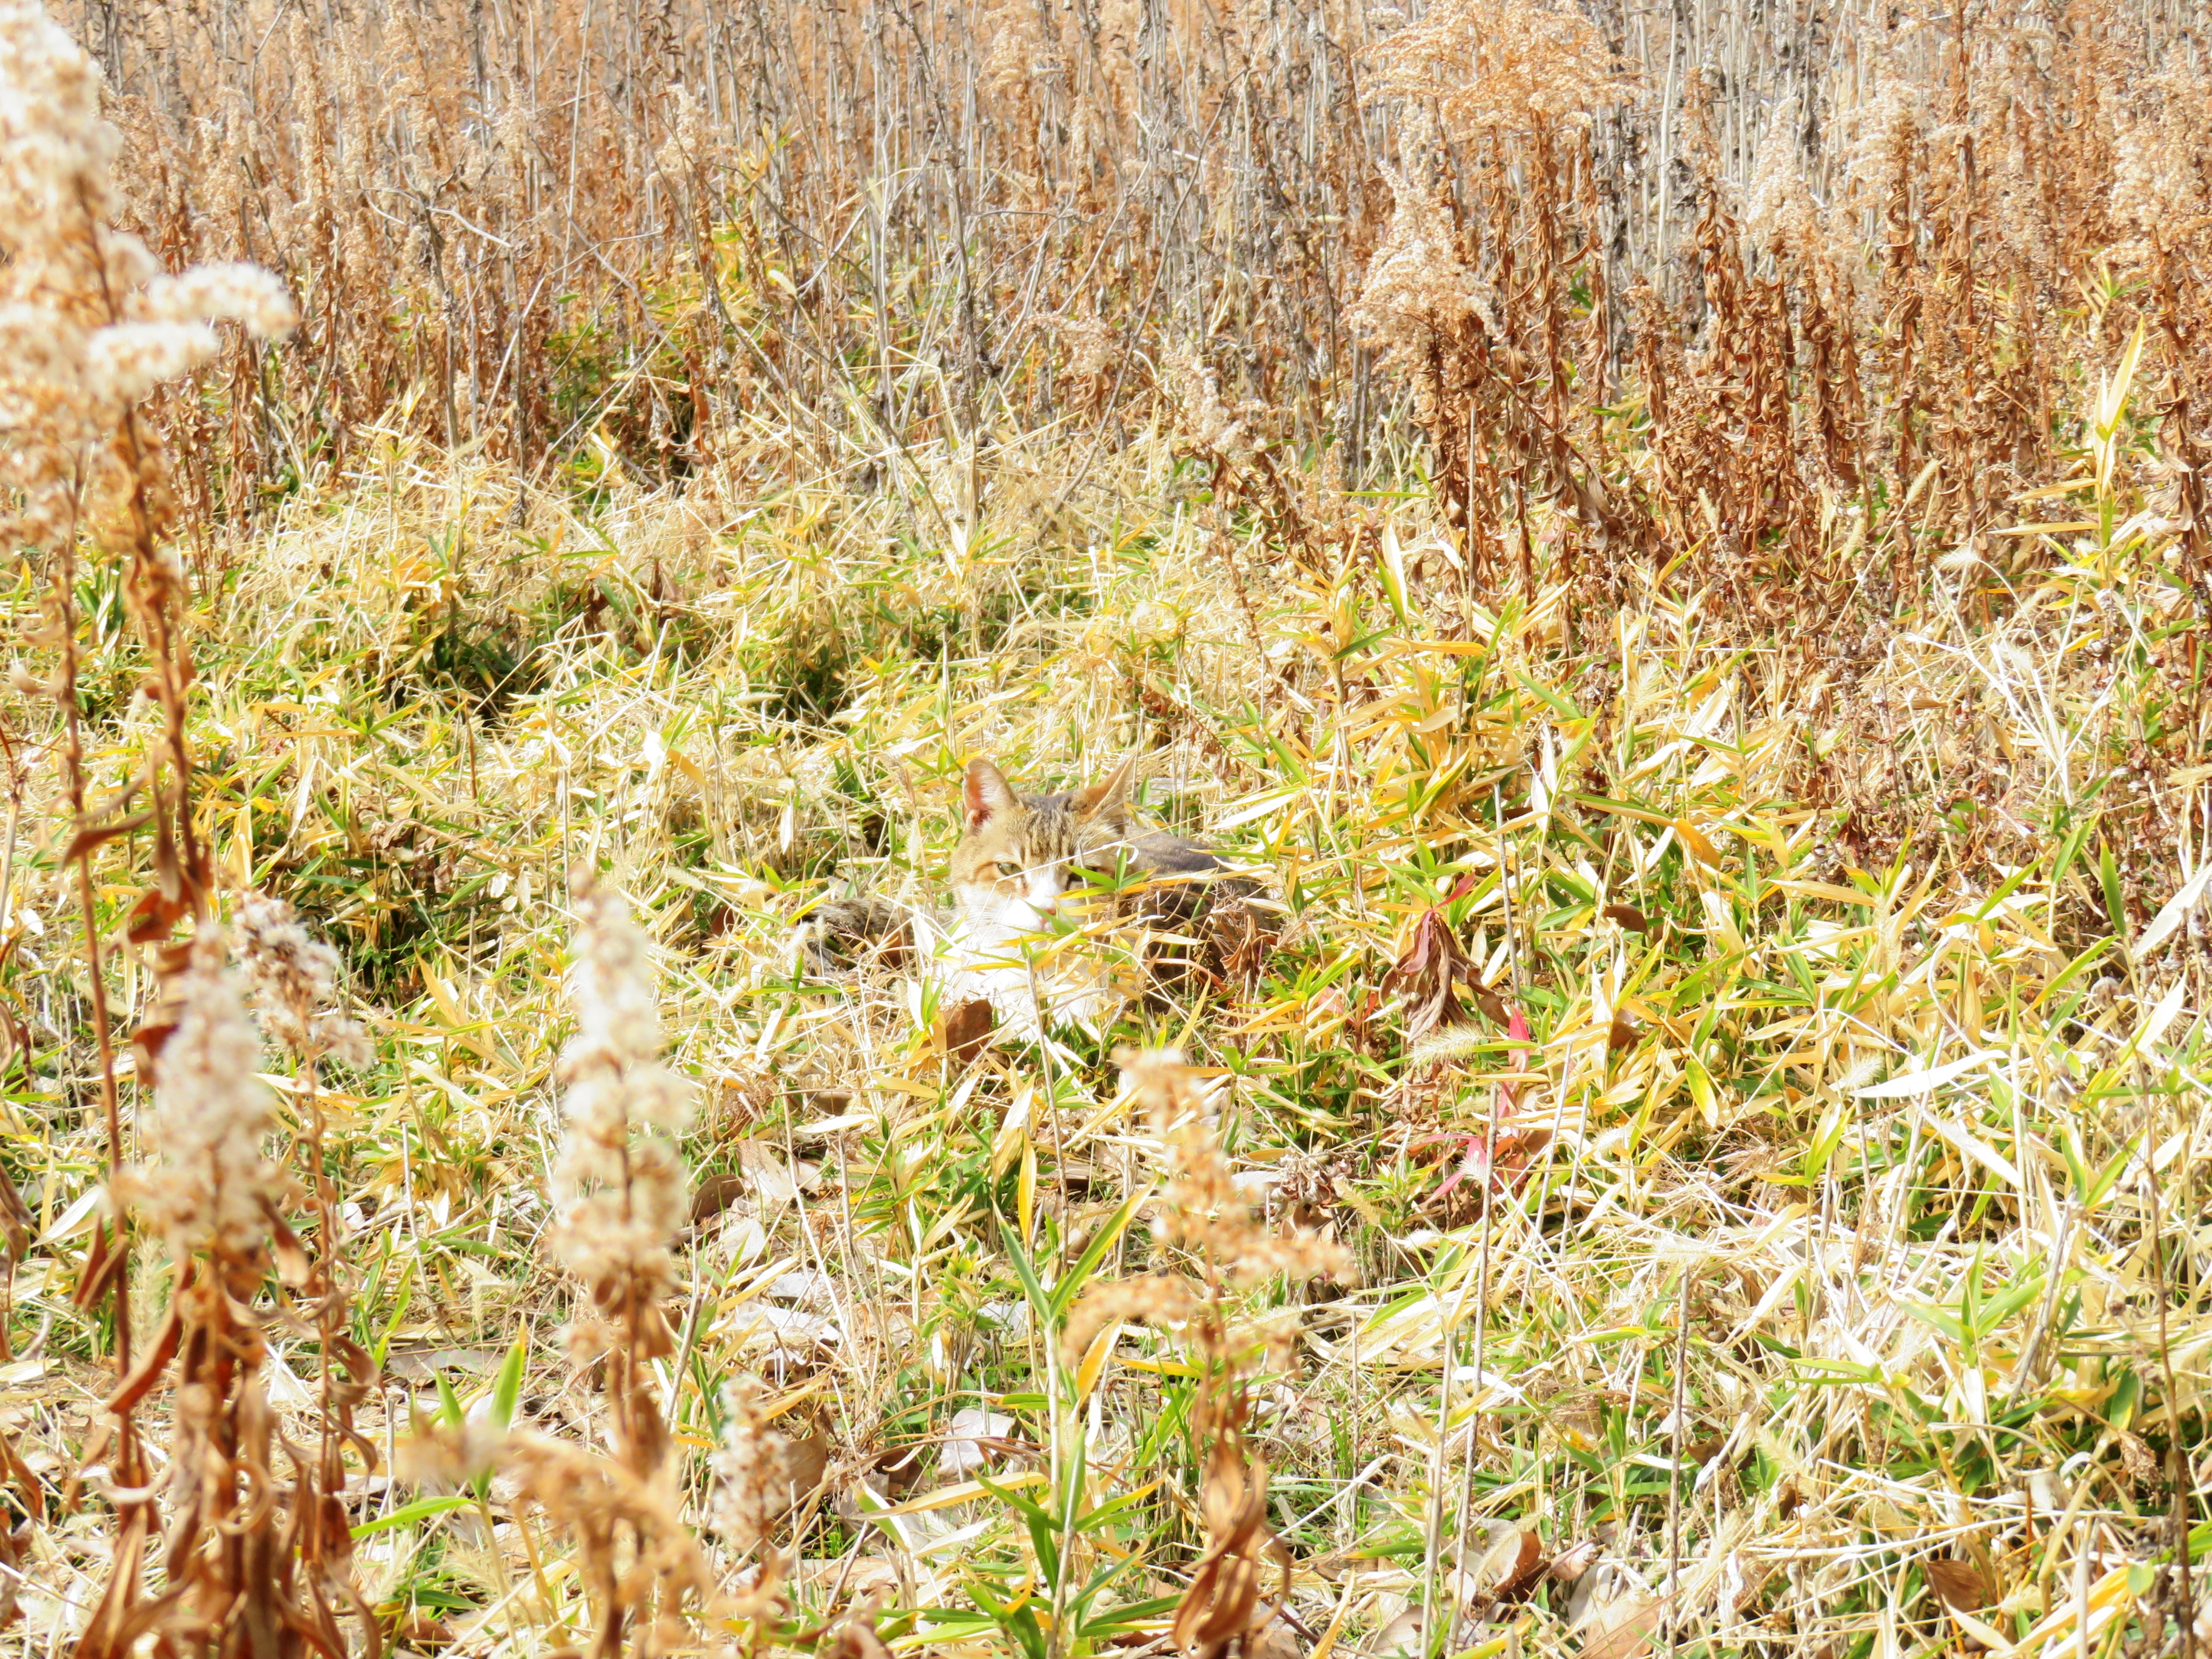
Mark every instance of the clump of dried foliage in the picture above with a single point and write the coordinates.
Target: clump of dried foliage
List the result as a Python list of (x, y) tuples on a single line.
[(1668, 547)]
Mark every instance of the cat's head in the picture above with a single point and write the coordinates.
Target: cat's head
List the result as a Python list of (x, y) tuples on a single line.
[(1010, 869)]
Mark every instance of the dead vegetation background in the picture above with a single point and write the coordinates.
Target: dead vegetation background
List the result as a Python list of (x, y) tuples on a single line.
[(1672, 543)]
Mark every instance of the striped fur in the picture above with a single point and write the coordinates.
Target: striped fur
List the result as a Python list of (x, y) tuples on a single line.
[(1013, 868)]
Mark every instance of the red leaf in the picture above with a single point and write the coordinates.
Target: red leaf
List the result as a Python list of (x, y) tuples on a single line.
[(1432, 960), (86, 841), (152, 916)]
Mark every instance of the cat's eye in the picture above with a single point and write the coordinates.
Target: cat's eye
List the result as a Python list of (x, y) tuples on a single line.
[(1006, 872)]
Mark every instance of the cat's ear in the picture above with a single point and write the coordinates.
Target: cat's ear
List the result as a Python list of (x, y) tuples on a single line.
[(1109, 798), (986, 793)]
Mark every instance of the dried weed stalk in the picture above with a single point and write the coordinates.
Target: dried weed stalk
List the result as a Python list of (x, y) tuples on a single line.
[(212, 1193), (1206, 1216), (295, 980), (619, 1187), (89, 328), (619, 1191)]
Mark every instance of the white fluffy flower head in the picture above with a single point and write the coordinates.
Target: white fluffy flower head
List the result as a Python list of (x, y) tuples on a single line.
[(210, 1185), (89, 325), (295, 978), (619, 1185)]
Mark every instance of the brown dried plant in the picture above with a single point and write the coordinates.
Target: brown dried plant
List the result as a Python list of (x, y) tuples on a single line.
[(1541, 227), (619, 1185), (619, 1190), (89, 328), (295, 980), (1469, 292), (212, 1193), (1207, 1217)]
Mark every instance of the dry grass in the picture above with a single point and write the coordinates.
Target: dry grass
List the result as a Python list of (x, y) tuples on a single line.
[(1673, 549)]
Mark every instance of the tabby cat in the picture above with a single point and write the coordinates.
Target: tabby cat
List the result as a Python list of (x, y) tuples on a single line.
[(1010, 873)]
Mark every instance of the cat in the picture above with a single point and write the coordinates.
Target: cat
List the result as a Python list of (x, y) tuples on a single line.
[(1013, 869)]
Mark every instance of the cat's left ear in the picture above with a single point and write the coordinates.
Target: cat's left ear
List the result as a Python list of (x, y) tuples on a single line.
[(1110, 797), (985, 793)]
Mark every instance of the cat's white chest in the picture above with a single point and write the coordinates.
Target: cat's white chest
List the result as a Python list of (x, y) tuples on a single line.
[(969, 959)]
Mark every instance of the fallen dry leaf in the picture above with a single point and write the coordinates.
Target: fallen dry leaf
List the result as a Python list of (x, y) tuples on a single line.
[(1528, 1569), (1960, 1584), (1573, 1562), (715, 1195), (964, 1029), (1275, 1640), (1621, 1628)]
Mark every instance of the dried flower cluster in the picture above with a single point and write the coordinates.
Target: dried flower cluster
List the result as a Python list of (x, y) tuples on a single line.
[(1417, 286), (1204, 1213), (619, 1184), (750, 1467), (619, 1187), (88, 325), (251, 1565), (295, 978), (595, 1500), (1209, 424), (636, 1553), (1503, 66), (211, 1188)]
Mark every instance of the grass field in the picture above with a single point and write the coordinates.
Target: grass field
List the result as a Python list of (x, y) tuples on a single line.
[(1671, 548)]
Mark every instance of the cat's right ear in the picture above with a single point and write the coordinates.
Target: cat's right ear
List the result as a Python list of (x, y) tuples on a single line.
[(1108, 798), (986, 793)]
